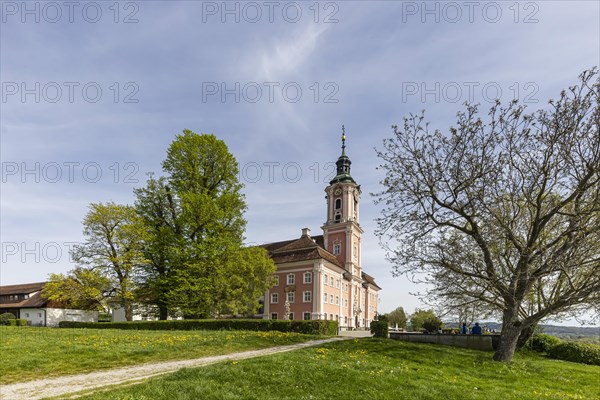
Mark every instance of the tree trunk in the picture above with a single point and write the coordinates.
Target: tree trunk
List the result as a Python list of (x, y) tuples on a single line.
[(511, 331), (508, 342), (525, 335), (128, 310)]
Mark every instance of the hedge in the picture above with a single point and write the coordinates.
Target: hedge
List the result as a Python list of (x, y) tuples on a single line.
[(16, 322), (585, 353), (542, 342), (317, 327)]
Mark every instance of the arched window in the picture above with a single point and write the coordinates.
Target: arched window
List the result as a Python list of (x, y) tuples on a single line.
[(338, 204)]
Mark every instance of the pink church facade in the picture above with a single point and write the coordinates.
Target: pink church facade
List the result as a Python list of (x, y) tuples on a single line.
[(321, 277)]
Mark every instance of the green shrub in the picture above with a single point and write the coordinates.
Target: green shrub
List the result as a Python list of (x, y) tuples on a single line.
[(318, 327), (6, 317), (585, 353), (433, 325), (542, 342), (379, 328), (16, 322), (103, 317)]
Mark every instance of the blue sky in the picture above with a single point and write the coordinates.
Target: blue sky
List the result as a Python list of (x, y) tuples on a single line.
[(165, 66)]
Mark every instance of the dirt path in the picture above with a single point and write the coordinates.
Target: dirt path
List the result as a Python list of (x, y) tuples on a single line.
[(75, 383)]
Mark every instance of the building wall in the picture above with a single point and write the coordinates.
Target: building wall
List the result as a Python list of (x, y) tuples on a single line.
[(141, 312), (318, 306), (477, 342), (35, 316), (332, 286), (298, 306), (372, 302), (52, 316)]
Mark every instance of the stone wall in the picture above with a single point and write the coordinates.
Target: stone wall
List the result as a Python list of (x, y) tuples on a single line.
[(477, 342)]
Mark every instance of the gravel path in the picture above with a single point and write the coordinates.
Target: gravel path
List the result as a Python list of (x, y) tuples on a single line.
[(65, 385)]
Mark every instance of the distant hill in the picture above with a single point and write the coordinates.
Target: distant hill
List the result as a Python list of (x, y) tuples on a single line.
[(572, 332)]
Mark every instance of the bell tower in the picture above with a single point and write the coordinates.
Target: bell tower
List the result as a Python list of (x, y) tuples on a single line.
[(342, 232)]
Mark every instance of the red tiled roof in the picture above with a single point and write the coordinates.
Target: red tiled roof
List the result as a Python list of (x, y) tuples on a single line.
[(303, 249), (307, 248), (370, 280)]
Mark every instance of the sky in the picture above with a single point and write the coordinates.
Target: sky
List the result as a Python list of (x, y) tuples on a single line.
[(94, 92)]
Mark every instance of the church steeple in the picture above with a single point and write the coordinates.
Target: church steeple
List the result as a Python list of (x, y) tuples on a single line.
[(343, 164)]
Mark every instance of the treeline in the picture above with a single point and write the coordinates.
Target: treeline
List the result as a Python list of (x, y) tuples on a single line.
[(179, 248), (420, 320)]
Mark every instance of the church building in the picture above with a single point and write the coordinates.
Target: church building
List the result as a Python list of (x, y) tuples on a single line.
[(321, 277)]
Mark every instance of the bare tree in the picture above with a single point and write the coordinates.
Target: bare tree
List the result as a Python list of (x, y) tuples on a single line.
[(504, 213)]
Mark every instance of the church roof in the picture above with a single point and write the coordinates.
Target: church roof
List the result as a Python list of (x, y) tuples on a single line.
[(343, 165), (370, 280), (303, 249)]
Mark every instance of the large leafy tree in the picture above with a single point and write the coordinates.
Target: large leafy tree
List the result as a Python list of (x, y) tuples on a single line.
[(115, 236), (397, 317), (80, 288), (194, 214), (425, 319), (165, 247), (503, 212)]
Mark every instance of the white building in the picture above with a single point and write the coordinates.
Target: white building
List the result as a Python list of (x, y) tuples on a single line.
[(26, 302)]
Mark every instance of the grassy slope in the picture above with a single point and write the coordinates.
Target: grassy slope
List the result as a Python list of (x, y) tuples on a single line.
[(374, 369), (34, 353)]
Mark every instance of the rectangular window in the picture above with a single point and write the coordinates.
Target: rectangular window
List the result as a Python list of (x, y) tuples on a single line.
[(40, 315), (307, 296), (337, 248), (306, 316), (274, 298), (331, 281), (325, 298), (290, 297), (307, 277), (337, 300), (291, 317), (325, 280), (331, 298), (291, 279), (273, 315), (26, 315)]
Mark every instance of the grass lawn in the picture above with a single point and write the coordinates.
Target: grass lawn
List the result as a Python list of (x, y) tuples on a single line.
[(373, 369), (33, 353)]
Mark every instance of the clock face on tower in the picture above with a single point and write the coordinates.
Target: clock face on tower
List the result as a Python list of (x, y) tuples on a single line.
[(337, 191)]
